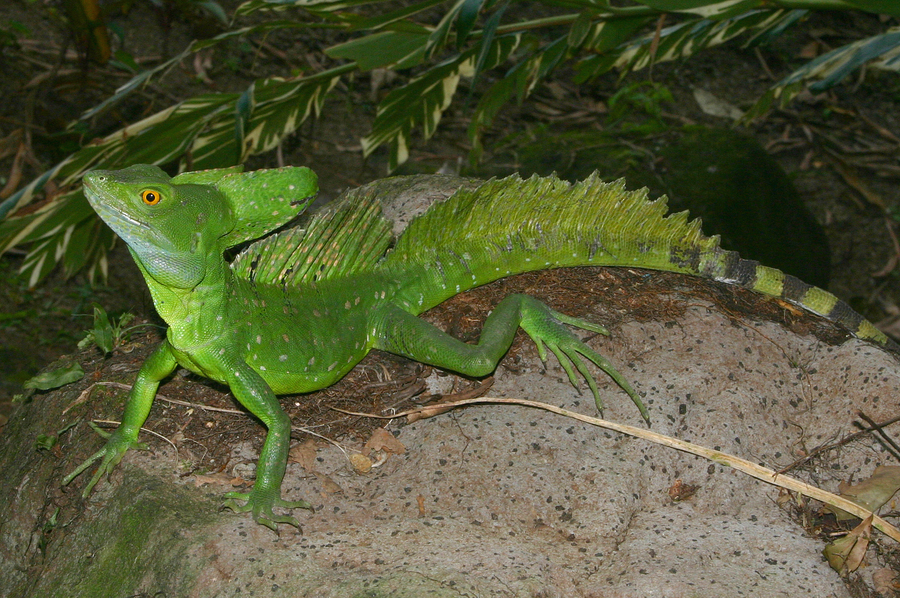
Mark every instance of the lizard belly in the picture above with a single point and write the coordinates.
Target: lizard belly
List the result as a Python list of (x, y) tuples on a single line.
[(198, 361), (290, 364)]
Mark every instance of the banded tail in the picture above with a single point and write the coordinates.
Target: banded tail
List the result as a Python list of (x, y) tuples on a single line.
[(512, 225)]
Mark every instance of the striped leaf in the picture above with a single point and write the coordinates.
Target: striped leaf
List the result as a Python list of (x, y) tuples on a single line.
[(220, 129), (423, 100), (879, 51)]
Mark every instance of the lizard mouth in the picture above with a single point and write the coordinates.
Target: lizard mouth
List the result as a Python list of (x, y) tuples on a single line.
[(139, 235), (118, 219)]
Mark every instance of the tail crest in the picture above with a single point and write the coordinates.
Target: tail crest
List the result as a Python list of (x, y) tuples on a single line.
[(511, 225)]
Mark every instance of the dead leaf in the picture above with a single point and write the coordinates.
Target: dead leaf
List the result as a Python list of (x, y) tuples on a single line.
[(846, 554), (848, 173), (715, 106), (810, 50), (360, 463), (870, 494), (679, 491), (885, 582), (329, 486), (305, 455), (426, 412), (382, 440)]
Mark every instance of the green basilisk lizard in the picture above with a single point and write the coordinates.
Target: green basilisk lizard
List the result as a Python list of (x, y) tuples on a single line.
[(297, 309)]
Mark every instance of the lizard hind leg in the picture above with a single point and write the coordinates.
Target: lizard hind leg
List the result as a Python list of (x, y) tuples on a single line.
[(404, 334)]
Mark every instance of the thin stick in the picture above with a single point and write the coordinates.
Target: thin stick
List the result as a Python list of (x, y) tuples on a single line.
[(752, 469)]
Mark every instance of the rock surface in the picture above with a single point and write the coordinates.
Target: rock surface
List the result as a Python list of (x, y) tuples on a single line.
[(495, 500), (490, 500)]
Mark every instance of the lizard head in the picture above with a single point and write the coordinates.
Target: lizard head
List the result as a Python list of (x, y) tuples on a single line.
[(172, 230)]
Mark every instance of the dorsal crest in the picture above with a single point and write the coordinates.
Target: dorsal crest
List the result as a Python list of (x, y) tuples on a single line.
[(338, 240)]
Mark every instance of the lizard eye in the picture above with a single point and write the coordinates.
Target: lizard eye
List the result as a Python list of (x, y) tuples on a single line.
[(150, 197)]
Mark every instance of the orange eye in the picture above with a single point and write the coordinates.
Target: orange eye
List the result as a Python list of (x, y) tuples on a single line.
[(150, 197)]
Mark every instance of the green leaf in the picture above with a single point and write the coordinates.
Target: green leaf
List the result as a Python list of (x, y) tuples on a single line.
[(215, 9), (382, 49), (879, 51), (438, 38), (423, 100), (539, 65), (882, 7), (125, 61), (681, 40), (55, 378), (279, 107), (144, 77), (313, 5), (487, 41), (242, 110), (603, 36), (834, 66), (488, 106), (710, 9), (103, 330), (468, 14), (378, 21), (45, 442), (580, 28)]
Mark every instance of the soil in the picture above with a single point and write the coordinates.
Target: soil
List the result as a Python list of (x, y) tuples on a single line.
[(840, 148)]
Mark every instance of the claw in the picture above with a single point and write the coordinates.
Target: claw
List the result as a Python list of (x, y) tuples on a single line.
[(260, 503), (569, 349), (116, 446), (579, 323)]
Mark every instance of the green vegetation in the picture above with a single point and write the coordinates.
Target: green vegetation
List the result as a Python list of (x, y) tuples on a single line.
[(506, 54)]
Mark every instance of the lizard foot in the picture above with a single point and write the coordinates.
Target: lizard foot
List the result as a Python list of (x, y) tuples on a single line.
[(118, 442), (545, 326), (260, 503)]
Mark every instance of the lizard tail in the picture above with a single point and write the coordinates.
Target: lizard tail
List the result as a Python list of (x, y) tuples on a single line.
[(510, 226)]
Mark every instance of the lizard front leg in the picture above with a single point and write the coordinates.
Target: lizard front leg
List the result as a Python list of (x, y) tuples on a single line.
[(402, 333), (253, 393), (160, 364)]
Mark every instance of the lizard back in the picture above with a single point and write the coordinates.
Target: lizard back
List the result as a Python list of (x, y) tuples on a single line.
[(512, 225)]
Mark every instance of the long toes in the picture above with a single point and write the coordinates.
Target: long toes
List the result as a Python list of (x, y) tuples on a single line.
[(288, 520), (295, 504), (232, 502), (578, 322), (619, 379), (564, 360)]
